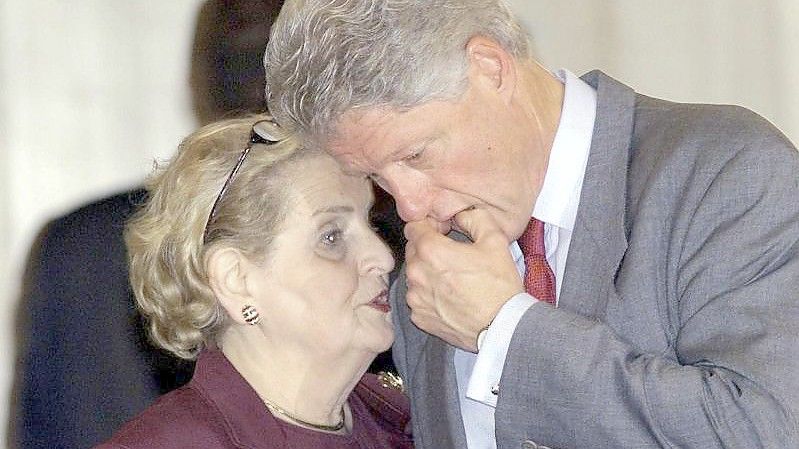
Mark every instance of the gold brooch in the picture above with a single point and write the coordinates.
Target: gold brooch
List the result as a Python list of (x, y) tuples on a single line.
[(390, 380)]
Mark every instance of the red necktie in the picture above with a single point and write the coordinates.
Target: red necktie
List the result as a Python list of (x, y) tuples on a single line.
[(539, 280)]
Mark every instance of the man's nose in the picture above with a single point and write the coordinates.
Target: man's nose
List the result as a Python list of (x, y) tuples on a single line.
[(410, 195), (411, 203)]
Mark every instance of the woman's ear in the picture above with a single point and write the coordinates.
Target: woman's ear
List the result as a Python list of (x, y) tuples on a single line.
[(227, 276), (490, 63)]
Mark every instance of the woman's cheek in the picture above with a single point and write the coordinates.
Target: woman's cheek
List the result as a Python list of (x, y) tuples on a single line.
[(339, 280)]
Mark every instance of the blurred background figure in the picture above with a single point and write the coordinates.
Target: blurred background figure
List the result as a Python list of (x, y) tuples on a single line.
[(87, 365)]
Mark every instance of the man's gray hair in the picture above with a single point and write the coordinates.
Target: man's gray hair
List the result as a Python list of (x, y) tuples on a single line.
[(327, 57)]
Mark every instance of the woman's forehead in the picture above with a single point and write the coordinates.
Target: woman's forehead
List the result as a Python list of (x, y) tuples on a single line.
[(322, 185)]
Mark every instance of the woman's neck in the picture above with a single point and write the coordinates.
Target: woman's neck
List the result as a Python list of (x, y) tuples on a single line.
[(313, 387)]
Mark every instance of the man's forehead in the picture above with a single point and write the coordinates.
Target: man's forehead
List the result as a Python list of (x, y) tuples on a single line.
[(367, 138), (366, 124), (363, 138)]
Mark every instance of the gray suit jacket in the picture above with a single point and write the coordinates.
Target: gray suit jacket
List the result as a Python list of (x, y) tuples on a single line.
[(678, 316)]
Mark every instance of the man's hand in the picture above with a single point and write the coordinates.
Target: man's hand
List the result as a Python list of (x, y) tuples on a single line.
[(456, 288)]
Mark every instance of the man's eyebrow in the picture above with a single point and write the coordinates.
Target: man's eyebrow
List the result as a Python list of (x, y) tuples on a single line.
[(413, 147), (335, 210)]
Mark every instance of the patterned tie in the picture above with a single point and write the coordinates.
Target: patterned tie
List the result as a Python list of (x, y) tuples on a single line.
[(539, 280)]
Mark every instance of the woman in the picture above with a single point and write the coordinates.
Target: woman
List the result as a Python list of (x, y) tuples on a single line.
[(262, 264)]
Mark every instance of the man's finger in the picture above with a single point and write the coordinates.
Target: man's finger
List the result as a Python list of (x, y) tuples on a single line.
[(416, 229), (479, 225)]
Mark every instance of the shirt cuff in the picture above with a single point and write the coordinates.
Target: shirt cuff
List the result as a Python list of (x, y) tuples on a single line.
[(484, 381)]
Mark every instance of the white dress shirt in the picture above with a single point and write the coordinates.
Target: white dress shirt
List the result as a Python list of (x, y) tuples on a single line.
[(478, 374)]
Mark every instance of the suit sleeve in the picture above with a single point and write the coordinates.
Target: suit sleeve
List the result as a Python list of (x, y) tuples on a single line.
[(729, 378), (82, 373), (86, 366), (33, 385)]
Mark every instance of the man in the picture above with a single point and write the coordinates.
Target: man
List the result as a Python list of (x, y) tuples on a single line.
[(631, 273)]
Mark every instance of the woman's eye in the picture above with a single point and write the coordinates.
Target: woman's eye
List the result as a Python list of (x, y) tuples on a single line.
[(332, 242), (332, 237)]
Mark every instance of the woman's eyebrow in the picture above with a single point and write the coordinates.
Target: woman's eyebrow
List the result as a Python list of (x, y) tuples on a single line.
[(335, 210)]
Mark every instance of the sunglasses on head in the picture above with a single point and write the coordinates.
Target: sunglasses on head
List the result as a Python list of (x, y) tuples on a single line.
[(261, 133)]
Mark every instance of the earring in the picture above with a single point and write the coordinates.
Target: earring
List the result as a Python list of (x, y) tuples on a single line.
[(250, 314)]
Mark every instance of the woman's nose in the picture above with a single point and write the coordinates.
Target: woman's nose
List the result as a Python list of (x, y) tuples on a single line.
[(377, 256)]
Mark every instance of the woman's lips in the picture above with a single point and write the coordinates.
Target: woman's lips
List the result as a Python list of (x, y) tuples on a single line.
[(380, 302)]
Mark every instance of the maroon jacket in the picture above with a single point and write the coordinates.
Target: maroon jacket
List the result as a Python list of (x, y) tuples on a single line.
[(219, 409)]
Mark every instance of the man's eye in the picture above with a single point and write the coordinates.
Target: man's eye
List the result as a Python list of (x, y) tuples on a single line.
[(414, 156)]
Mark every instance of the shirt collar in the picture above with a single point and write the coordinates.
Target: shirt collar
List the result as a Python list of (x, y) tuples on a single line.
[(560, 195)]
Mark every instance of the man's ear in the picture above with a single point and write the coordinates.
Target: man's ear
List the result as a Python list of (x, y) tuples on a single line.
[(227, 276), (491, 64)]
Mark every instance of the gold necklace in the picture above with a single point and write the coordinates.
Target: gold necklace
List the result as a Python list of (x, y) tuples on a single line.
[(324, 427)]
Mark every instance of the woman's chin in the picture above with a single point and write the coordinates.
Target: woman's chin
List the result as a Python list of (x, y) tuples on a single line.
[(383, 339)]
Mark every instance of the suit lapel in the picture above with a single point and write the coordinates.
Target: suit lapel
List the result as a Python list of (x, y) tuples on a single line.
[(599, 239), (439, 407), (435, 406)]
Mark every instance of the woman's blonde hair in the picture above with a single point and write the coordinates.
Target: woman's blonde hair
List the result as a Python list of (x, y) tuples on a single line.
[(166, 252)]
